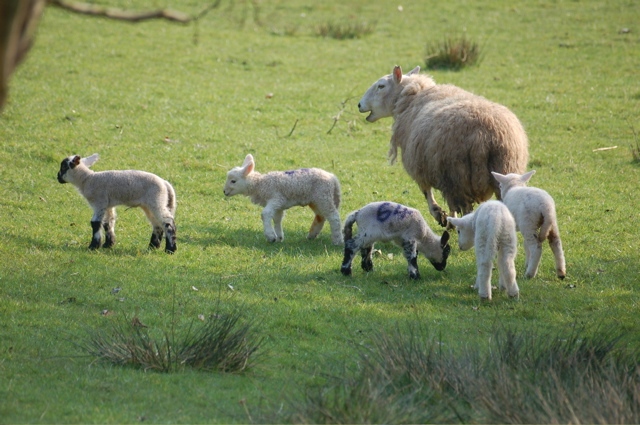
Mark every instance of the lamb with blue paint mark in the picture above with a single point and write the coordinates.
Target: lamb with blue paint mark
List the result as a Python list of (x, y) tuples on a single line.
[(278, 191), (105, 190), (491, 229), (389, 221), (535, 213)]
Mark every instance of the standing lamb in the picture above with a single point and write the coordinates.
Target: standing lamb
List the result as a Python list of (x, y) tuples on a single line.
[(492, 230), (388, 221), (451, 139), (105, 190), (535, 215), (278, 191)]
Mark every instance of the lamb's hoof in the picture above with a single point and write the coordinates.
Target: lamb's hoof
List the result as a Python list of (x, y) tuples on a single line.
[(414, 276), (561, 275), (337, 242), (93, 246), (345, 271), (485, 299), (367, 266)]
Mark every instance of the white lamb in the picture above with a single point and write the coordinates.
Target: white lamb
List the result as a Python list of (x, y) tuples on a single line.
[(278, 191), (388, 221), (105, 190), (535, 213), (492, 230)]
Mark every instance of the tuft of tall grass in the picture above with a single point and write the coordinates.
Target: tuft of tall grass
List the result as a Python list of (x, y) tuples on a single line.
[(521, 377), (222, 343), (344, 30), (452, 53)]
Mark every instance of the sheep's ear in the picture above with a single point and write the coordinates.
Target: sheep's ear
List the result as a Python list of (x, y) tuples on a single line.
[(415, 70), (397, 74), (89, 161), (498, 176), (455, 221), (444, 239), (527, 176), (75, 161), (248, 165)]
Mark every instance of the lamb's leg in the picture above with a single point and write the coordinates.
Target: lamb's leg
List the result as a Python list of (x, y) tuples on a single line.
[(534, 246), (157, 225), (556, 246), (351, 247), (109, 226), (336, 228), (267, 217), (96, 226), (484, 264), (434, 208), (367, 258), (170, 236), (410, 253), (507, 270), (317, 224), (277, 221)]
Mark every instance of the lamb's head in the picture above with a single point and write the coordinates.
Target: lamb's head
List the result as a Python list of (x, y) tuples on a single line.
[(380, 99), (512, 180), (465, 226), (446, 249), (237, 177), (68, 165)]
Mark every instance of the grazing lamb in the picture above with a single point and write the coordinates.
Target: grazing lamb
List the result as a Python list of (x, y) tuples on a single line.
[(535, 215), (278, 191), (492, 230), (105, 190), (388, 221), (451, 139)]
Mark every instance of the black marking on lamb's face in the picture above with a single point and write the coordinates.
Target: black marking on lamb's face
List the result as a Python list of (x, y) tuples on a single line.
[(65, 166), (445, 254)]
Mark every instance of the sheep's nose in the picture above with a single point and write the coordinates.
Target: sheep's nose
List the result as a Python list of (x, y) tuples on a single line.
[(359, 105)]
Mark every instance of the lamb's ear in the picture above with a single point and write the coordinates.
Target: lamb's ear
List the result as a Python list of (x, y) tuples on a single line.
[(248, 165), (455, 221), (415, 70), (444, 239), (75, 161), (527, 176), (498, 176), (397, 74), (89, 161)]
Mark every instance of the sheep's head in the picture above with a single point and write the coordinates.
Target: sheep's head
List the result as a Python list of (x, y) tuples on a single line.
[(446, 249), (512, 180), (71, 163), (466, 230), (380, 99), (237, 177)]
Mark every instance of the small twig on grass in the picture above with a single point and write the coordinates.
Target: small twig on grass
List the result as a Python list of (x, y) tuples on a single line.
[(608, 148), (337, 117), (290, 133)]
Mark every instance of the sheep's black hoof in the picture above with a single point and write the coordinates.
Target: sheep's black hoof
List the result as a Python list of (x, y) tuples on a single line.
[(93, 246), (414, 276), (367, 265), (346, 271)]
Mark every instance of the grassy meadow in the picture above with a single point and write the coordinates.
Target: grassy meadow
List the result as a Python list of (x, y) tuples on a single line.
[(188, 102)]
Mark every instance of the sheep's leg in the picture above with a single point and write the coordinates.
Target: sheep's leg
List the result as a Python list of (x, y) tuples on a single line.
[(507, 270), (277, 221), (534, 246), (435, 209), (484, 263), (336, 228), (411, 254), (351, 247), (317, 224), (267, 215), (170, 236), (109, 226), (367, 258), (156, 237), (96, 226), (556, 247)]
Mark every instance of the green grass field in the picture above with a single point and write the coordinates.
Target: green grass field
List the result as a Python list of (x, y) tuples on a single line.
[(188, 102)]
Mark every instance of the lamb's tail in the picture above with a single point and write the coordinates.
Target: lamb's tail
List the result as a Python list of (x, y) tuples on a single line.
[(347, 230), (337, 194), (546, 226), (171, 198)]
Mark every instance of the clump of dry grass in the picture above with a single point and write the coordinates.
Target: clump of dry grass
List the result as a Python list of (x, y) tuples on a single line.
[(345, 30), (452, 53), (221, 343)]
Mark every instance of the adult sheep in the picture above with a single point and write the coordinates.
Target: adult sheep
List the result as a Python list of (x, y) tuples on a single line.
[(450, 139)]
